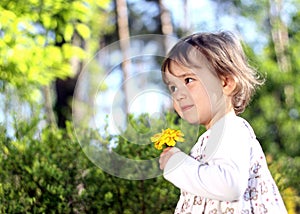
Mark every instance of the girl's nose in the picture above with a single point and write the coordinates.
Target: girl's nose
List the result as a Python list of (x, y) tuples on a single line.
[(180, 93)]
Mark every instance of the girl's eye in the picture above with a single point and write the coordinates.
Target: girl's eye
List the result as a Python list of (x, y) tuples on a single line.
[(188, 80), (172, 88)]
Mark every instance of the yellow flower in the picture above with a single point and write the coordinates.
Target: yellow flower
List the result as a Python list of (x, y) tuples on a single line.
[(167, 137)]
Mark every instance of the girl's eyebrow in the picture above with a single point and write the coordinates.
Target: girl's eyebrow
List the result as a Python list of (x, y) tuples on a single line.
[(168, 82), (186, 74)]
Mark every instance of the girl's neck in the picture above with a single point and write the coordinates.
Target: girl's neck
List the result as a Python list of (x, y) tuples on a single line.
[(217, 117)]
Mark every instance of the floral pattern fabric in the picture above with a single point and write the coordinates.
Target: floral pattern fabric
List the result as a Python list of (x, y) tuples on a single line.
[(260, 197)]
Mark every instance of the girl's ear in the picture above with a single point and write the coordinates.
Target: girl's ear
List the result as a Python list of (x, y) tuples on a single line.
[(228, 85)]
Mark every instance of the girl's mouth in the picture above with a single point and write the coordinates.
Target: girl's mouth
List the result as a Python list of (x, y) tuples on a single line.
[(186, 107)]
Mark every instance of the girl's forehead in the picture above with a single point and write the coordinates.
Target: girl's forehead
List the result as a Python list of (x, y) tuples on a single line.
[(192, 59), (177, 69), (193, 67)]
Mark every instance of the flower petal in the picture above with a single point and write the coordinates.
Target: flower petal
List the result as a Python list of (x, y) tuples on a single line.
[(167, 137)]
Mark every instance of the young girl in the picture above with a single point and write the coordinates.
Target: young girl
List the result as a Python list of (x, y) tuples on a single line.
[(226, 172)]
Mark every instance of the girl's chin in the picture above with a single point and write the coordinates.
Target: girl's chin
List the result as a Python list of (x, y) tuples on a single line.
[(192, 121), (195, 120)]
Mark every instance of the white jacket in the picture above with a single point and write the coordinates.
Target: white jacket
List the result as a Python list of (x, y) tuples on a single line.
[(226, 172)]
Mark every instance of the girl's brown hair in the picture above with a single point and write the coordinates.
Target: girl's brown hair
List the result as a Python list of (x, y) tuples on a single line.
[(226, 57)]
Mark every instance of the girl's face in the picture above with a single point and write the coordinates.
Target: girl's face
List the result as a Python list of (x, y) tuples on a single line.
[(197, 93)]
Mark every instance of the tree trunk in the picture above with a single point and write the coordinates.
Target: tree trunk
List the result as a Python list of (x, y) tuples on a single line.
[(279, 34), (166, 24), (186, 23), (65, 88), (123, 32), (50, 117), (166, 20)]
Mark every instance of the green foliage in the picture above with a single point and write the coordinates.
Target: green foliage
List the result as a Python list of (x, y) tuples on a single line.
[(37, 175), (46, 171), (38, 39)]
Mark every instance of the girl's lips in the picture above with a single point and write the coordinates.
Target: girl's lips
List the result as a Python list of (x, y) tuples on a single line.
[(186, 107)]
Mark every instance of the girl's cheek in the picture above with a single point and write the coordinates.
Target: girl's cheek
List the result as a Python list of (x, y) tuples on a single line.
[(176, 107)]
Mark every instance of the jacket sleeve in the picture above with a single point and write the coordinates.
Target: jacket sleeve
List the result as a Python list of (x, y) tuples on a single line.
[(224, 177)]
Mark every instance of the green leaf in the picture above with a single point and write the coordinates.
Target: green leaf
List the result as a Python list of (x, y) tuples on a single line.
[(83, 30), (68, 32)]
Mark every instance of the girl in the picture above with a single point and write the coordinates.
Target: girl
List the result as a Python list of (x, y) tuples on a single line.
[(211, 83)]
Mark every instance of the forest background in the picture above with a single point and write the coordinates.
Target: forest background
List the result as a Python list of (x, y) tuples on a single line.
[(44, 47)]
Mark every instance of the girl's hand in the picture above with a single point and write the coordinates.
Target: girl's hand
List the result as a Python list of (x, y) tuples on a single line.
[(165, 156)]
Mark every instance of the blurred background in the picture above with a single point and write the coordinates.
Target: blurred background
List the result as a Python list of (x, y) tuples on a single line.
[(44, 47)]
